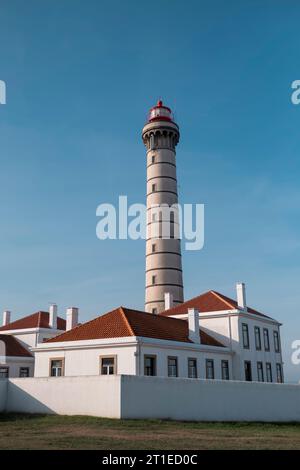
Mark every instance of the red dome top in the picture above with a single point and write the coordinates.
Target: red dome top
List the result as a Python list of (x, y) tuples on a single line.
[(160, 113)]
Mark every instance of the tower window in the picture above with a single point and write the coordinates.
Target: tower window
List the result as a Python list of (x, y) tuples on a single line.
[(153, 159), (153, 248), (153, 280), (153, 188), (154, 311)]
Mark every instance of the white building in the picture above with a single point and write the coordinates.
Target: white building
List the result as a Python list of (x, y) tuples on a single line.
[(233, 343), (19, 336), (210, 336)]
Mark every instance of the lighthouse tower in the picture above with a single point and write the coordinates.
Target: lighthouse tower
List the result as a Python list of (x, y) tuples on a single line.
[(163, 252)]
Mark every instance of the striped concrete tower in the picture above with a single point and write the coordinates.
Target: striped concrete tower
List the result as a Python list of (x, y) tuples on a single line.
[(163, 254)]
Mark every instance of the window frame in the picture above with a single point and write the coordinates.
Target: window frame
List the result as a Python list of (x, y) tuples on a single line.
[(225, 361), (266, 337), (260, 369), (175, 358), (207, 361), (276, 341), (196, 367), (6, 373), (250, 370), (108, 356), (257, 336), (246, 330), (279, 367), (52, 359), (24, 376), (154, 358), (269, 369)]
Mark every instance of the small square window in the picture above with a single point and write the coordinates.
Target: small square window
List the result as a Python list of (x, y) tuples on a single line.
[(4, 372), (24, 372), (56, 368), (153, 188), (108, 365)]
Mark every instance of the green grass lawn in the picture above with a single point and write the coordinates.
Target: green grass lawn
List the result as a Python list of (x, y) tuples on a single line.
[(81, 432)]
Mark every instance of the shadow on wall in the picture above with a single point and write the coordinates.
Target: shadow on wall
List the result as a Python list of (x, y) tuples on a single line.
[(19, 401)]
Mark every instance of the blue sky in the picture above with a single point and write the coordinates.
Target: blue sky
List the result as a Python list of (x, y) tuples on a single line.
[(80, 78)]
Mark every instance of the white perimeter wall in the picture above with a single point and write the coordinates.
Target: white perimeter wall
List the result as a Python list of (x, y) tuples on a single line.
[(152, 397), (94, 396), (202, 400)]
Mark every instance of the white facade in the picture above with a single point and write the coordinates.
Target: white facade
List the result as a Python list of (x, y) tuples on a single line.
[(226, 326), (83, 357)]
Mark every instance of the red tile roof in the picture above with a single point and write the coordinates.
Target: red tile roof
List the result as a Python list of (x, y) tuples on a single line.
[(36, 320), (210, 301), (123, 322), (13, 347)]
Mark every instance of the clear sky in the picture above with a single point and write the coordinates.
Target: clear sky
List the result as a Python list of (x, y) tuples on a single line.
[(80, 78)]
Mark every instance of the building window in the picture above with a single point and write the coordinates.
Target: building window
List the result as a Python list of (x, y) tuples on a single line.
[(154, 311), (56, 367), (153, 188), (266, 339), (248, 371), (24, 372), (245, 332), (192, 368), (260, 372), (276, 341), (269, 372), (172, 367), (225, 370), (153, 248), (154, 217), (153, 280), (257, 338), (4, 372), (108, 365), (210, 369), (279, 373), (150, 365), (153, 159)]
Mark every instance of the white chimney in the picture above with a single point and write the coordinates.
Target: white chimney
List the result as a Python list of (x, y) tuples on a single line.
[(6, 317), (53, 316), (194, 330), (168, 300), (72, 317), (241, 295)]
